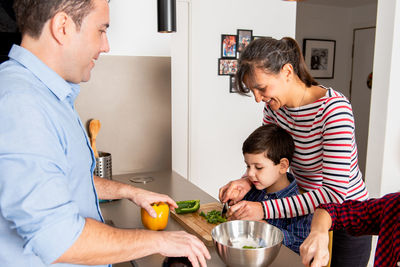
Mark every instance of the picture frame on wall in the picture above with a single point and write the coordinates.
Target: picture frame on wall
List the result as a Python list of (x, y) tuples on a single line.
[(228, 46), (258, 37), (244, 37), (232, 84), (227, 66), (319, 56)]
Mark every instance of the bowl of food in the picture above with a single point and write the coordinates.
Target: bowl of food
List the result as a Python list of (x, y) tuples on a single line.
[(247, 243)]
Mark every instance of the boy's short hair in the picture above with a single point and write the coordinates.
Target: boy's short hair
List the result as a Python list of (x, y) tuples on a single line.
[(271, 139)]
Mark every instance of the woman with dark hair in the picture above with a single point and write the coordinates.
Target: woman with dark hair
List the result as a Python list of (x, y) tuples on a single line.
[(321, 123)]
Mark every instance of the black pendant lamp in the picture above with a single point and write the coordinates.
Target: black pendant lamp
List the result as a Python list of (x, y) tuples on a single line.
[(166, 11)]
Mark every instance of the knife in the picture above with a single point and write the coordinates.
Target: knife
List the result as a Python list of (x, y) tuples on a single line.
[(224, 210)]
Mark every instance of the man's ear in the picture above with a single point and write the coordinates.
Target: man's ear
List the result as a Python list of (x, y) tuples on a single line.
[(283, 165), (60, 26)]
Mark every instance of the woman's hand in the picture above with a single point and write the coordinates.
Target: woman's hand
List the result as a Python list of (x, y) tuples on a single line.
[(144, 199), (246, 210), (234, 191)]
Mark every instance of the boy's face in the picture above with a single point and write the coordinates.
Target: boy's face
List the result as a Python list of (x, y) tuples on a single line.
[(263, 172)]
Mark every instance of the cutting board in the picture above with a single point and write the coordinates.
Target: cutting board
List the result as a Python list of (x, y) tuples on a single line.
[(196, 224)]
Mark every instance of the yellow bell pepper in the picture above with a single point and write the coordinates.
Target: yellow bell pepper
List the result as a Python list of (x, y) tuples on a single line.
[(158, 223)]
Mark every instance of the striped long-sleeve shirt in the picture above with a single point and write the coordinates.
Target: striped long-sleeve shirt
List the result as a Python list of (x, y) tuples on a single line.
[(325, 158)]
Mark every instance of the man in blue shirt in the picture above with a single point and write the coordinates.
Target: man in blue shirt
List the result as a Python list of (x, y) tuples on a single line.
[(49, 210)]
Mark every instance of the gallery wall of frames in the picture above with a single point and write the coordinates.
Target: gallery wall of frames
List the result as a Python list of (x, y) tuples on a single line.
[(231, 47)]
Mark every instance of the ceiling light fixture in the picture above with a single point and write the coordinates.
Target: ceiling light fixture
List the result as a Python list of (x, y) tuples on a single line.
[(166, 11)]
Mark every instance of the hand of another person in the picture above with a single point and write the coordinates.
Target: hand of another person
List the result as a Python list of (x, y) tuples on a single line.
[(144, 199), (182, 244), (234, 191), (314, 251), (246, 210)]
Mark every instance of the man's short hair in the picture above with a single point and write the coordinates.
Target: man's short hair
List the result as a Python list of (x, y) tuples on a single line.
[(31, 15), (271, 140)]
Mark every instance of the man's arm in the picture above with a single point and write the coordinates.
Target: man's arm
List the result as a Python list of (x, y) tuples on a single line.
[(103, 244), (314, 249), (109, 189)]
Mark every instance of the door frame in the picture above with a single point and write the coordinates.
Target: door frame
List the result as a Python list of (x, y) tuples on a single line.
[(352, 55)]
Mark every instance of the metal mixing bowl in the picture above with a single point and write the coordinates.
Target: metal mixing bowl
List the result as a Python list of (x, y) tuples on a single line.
[(230, 237)]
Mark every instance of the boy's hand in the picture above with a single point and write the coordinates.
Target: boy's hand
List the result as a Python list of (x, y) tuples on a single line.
[(246, 210)]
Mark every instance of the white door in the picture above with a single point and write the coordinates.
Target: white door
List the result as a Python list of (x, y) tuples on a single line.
[(360, 95)]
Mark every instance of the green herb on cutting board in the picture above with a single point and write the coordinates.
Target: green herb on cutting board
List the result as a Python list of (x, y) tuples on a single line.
[(213, 217)]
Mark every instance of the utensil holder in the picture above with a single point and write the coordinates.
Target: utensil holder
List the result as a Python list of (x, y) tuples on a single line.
[(103, 165)]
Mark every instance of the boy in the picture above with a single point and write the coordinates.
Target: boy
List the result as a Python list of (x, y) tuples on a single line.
[(268, 152)]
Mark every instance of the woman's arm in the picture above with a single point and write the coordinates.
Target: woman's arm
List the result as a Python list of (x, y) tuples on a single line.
[(234, 191)]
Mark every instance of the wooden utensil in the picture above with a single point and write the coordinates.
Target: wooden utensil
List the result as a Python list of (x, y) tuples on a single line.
[(94, 128)]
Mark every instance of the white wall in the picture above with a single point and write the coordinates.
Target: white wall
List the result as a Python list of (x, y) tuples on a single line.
[(220, 121), (363, 16), (334, 23), (383, 157), (180, 94), (133, 29)]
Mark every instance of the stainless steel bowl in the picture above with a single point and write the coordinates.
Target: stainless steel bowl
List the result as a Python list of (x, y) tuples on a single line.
[(230, 237)]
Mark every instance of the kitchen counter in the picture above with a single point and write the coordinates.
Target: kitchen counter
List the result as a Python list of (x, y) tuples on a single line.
[(125, 214)]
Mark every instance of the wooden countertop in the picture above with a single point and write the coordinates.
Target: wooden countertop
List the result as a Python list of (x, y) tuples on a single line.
[(125, 214)]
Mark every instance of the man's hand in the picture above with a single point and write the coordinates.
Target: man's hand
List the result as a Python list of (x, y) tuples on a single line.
[(182, 244), (144, 199), (314, 251), (246, 210), (100, 244), (109, 189), (234, 191)]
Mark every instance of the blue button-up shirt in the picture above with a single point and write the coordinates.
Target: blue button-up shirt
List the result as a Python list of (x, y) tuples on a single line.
[(295, 229), (46, 164)]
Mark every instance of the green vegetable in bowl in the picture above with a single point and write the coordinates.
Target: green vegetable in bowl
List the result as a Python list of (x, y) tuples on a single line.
[(187, 206), (213, 217), (249, 247)]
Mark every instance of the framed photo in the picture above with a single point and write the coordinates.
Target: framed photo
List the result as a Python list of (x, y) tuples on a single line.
[(232, 84), (227, 66), (258, 37), (319, 56), (244, 38), (228, 46)]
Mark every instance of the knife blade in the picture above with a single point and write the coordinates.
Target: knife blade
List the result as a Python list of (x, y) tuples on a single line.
[(224, 210)]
